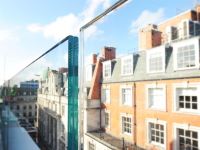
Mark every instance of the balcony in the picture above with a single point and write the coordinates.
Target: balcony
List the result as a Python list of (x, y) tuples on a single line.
[(13, 136), (110, 141)]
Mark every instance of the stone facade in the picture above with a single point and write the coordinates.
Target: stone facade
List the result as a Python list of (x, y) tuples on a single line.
[(52, 110)]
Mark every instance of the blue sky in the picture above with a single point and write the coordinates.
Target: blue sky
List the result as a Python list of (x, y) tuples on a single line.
[(29, 28)]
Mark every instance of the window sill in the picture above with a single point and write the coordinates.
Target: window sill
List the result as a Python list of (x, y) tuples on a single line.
[(161, 146), (155, 72), (126, 105), (125, 75), (157, 109), (188, 112), (127, 134), (189, 68)]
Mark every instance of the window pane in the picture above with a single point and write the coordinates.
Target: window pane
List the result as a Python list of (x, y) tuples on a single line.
[(155, 62), (107, 69), (187, 98), (156, 98), (186, 56), (127, 65), (195, 143), (194, 98), (156, 132), (188, 140), (126, 125), (194, 106), (126, 96), (194, 135)]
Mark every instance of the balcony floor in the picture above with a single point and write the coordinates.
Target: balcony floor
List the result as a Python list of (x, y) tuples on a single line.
[(111, 141)]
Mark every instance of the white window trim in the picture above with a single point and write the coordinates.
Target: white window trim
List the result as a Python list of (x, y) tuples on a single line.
[(169, 33), (175, 102), (108, 88), (132, 93), (185, 127), (122, 64), (181, 28), (163, 86), (107, 111), (153, 120), (153, 51), (104, 64), (132, 123), (195, 42)]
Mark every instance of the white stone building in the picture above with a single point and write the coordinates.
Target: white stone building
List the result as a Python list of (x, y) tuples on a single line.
[(52, 109)]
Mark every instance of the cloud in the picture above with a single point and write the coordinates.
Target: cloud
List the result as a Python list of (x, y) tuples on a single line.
[(93, 6), (59, 28), (71, 23), (147, 17), (34, 27)]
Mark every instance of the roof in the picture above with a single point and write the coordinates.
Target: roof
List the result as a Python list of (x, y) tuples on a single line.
[(140, 69)]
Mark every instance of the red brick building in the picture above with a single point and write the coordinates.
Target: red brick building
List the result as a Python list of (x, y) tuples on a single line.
[(149, 99)]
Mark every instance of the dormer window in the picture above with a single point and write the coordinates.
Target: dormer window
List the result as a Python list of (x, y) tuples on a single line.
[(186, 54), (171, 33), (188, 28), (127, 65), (107, 69), (156, 60)]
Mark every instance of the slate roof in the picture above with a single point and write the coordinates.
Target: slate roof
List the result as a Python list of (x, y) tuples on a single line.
[(140, 68)]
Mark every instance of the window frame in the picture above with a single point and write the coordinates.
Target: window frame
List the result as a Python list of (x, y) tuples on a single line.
[(108, 62), (156, 121), (176, 102), (106, 101), (150, 86), (123, 59), (160, 49), (188, 42), (121, 125), (184, 127), (187, 32), (131, 95)]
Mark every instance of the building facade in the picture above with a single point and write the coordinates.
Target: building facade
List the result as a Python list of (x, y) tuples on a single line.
[(149, 99), (23, 103), (25, 107), (52, 109)]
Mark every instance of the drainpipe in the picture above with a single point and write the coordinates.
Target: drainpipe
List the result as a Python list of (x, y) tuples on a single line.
[(100, 109), (123, 144), (100, 116), (135, 114)]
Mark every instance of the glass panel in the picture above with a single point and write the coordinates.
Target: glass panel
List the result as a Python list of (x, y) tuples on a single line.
[(194, 98), (194, 135), (44, 82)]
